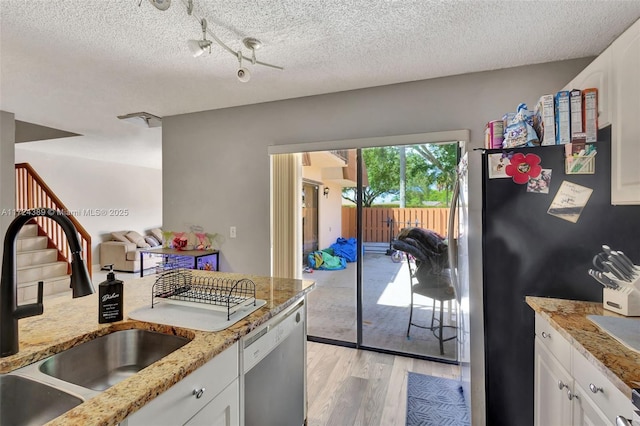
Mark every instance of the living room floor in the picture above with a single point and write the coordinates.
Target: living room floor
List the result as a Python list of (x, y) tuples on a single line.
[(348, 386)]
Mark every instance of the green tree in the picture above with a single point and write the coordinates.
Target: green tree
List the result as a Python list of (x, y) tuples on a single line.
[(439, 165), (382, 173), (430, 174)]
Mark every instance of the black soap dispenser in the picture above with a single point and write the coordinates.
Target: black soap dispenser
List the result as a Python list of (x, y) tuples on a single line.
[(111, 299)]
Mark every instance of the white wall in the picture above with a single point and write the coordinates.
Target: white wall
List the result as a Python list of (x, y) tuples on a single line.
[(83, 184), (7, 174), (216, 168)]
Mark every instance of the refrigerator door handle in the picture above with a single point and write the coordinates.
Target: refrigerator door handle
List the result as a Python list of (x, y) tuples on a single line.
[(451, 240)]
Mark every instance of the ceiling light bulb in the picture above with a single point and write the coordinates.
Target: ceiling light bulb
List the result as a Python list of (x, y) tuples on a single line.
[(194, 47), (243, 74), (198, 47)]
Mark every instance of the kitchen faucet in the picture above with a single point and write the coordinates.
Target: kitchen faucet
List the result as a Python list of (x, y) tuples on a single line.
[(10, 312)]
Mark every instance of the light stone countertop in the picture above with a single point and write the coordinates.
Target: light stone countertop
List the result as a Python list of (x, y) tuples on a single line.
[(618, 363), (67, 322)]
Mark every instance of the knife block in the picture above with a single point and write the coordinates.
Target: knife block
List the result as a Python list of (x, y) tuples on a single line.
[(624, 300)]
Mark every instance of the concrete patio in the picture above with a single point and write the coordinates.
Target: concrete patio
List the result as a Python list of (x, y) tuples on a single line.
[(386, 299)]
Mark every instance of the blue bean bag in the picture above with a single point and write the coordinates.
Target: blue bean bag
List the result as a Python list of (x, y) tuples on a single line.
[(345, 248)]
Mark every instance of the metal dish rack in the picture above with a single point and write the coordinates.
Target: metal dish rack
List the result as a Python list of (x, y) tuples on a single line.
[(183, 287)]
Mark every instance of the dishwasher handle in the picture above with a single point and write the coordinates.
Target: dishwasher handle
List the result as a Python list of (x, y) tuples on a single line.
[(264, 330)]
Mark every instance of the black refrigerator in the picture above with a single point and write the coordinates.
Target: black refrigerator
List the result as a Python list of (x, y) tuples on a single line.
[(529, 252)]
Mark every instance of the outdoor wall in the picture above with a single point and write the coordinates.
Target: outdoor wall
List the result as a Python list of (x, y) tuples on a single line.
[(329, 207), (330, 220), (83, 184), (228, 149)]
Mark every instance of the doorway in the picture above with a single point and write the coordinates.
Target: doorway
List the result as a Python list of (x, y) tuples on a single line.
[(352, 306), (309, 219)]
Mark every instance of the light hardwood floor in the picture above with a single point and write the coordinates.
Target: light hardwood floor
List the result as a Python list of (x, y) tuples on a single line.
[(354, 387), (385, 309)]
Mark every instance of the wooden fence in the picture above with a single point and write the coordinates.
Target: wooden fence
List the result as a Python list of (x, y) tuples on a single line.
[(380, 223)]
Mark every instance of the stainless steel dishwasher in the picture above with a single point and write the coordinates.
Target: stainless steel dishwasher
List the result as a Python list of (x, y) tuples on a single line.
[(274, 367)]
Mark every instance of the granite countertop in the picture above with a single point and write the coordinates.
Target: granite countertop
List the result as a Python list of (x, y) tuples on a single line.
[(618, 363), (67, 322)]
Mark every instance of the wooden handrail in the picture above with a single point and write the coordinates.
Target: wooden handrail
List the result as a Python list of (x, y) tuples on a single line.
[(31, 193)]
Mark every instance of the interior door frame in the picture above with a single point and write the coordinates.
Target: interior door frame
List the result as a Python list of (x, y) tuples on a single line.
[(317, 186)]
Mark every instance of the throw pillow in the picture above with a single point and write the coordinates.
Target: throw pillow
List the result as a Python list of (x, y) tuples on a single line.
[(119, 236), (138, 239), (152, 241), (157, 234)]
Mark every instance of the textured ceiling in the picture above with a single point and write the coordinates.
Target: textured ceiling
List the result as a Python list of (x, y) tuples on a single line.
[(77, 64)]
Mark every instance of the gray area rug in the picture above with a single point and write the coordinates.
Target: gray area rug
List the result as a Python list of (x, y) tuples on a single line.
[(435, 401)]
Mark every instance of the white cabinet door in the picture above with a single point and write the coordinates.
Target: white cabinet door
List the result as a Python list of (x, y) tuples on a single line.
[(625, 131), (552, 382), (585, 410), (571, 391), (597, 74), (600, 391), (222, 411), (190, 395)]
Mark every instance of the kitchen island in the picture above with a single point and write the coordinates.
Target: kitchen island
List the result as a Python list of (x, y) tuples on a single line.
[(69, 322)]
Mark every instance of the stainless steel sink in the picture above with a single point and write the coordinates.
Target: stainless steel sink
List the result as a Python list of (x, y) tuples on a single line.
[(101, 363), (27, 402)]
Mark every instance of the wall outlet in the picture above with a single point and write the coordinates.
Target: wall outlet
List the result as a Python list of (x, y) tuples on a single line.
[(232, 232)]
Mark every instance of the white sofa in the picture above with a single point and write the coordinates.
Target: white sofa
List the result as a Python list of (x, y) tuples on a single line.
[(124, 254)]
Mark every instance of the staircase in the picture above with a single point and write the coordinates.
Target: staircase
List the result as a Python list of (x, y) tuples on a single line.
[(36, 262), (43, 252)]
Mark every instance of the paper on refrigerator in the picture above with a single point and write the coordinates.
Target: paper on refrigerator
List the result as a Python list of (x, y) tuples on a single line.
[(570, 201)]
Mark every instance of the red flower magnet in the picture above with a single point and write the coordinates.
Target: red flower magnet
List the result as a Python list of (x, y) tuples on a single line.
[(523, 167)]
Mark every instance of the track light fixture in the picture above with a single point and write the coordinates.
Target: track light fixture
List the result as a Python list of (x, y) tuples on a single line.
[(159, 4), (198, 47), (243, 74), (252, 44)]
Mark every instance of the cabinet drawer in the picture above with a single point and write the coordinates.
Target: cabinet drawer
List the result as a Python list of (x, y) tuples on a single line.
[(552, 340), (178, 404), (222, 411), (609, 399)]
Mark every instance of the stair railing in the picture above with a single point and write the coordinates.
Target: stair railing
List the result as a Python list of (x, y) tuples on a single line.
[(33, 193)]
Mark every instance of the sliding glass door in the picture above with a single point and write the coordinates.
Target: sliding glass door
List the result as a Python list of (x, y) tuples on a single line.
[(354, 205), (410, 192), (332, 305)]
